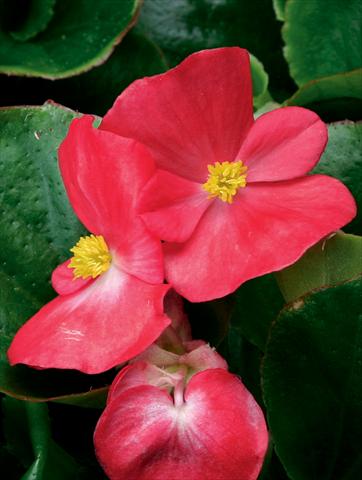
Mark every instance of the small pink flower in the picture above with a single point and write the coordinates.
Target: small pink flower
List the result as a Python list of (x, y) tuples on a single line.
[(172, 423), (175, 413), (231, 196), (110, 303)]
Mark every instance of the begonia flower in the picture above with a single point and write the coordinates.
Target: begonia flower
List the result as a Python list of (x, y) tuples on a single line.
[(110, 303), (231, 197), (180, 416)]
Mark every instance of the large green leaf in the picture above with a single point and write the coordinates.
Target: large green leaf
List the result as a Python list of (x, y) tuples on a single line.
[(322, 38), (37, 228), (343, 159), (80, 35), (331, 261), (187, 26), (312, 387)]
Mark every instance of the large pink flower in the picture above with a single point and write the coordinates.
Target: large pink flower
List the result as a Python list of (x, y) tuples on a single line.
[(110, 303), (231, 196)]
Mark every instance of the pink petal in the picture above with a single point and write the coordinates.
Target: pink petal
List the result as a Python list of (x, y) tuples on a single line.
[(268, 227), (200, 356), (283, 144), (203, 357), (134, 375), (195, 114), (64, 282), (174, 308), (103, 175), (191, 345), (95, 328), (157, 355), (172, 206), (219, 433), (139, 252)]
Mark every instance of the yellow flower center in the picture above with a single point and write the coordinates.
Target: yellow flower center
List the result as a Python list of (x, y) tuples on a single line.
[(91, 257), (225, 179)]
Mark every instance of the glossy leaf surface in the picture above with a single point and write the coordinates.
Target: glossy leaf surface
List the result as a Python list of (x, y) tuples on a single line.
[(36, 17), (342, 159), (257, 303), (330, 262), (67, 46), (322, 38), (312, 384), (341, 85)]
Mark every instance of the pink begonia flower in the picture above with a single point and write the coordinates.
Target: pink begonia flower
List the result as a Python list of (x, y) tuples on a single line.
[(110, 303), (180, 416), (231, 197)]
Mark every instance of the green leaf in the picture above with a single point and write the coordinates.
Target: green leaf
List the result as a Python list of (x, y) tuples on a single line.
[(322, 38), (332, 261), (341, 85), (37, 16), (343, 159), (187, 26), (334, 98), (257, 304), (80, 36), (28, 437), (37, 228), (260, 81), (269, 106), (312, 384), (260, 77), (279, 7)]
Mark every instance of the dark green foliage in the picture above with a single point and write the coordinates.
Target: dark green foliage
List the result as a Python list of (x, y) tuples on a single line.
[(79, 36), (312, 384)]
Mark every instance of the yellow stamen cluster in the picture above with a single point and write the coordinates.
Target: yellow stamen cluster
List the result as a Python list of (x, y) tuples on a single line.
[(91, 257), (225, 179)]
